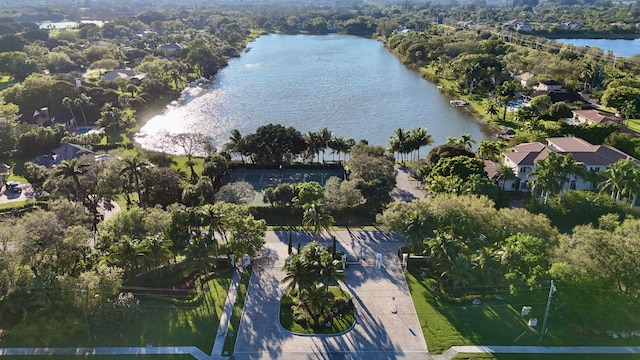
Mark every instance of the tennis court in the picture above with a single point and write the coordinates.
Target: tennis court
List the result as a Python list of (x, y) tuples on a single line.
[(262, 179)]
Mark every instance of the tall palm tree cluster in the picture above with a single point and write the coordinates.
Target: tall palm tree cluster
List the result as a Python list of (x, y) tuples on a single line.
[(622, 179), (552, 173), (405, 142), (308, 276), (316, 142)]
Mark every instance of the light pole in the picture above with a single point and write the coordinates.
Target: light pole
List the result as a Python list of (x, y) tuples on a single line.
[(81, 291), (552, 289)]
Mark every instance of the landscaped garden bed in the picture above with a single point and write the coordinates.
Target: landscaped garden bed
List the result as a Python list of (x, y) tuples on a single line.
[(336, 317)]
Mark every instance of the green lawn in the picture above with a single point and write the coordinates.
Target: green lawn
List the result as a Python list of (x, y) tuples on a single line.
[(494, 322), (13, 204), (341, 322), (181, 164), (544, 357), (100, 357), (161, 324), (236, 316), (634, 125), (5, 82)]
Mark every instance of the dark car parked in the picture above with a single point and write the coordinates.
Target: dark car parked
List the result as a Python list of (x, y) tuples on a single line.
[(14, 187)]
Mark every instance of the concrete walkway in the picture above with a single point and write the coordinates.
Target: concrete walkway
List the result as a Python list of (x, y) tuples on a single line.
[(387, 326), (406, 189), (225, 317), (548, 350)]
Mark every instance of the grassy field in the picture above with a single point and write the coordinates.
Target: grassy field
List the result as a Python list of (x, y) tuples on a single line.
[(634, 125), (545, 357), (161, 323), (494, 322), (236, 316)]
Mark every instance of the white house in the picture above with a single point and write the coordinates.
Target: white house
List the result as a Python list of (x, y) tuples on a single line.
[(549, 85), (595, 117), (524, 156)]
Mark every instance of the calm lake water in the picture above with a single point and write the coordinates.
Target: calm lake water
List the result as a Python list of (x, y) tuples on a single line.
[(353, 86), (619, 47)]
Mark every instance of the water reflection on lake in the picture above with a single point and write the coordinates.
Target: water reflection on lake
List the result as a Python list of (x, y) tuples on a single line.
[(351, 85)]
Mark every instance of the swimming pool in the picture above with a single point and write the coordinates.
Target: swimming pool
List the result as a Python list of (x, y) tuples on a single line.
[(83, 130)]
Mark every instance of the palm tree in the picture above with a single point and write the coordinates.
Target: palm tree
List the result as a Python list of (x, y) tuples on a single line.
[(506, 92), (135, 166), (316, 301), (324, 138), (491, 108), (329, 269), (158, 248), (633, 185), (504, 172), (569, 168), (316, 218), (212, 217), (458, 272), (236, 144), (67, 102), (299, 274), (72, 168), (127, 254), (547, 176), (84, 99), (616, 178), (484, 260), (488, 150), (199, 254), (398, 142), (465, 140), (419, 138), (110, 117)]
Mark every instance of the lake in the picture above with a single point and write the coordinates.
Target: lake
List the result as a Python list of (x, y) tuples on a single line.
[(620, 47), (353, 86), (67, 24)]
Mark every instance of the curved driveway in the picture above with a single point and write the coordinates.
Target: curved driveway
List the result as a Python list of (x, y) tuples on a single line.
[(387, 326)]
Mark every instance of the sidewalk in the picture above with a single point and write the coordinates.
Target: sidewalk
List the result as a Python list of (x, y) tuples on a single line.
[(225, 317), (548, 350)]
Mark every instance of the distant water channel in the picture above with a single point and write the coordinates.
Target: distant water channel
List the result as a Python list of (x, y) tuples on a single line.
[(351, 85), (619, 47)]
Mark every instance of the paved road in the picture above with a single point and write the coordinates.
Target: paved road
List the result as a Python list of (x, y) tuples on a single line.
[(379, 333), (9, 196), (406, 189)]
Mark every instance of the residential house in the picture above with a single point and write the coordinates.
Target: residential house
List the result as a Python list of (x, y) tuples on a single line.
[(549, 85), (526, 79), (126, 74), (517, 25), (170, 48), (595, 117), (568, 97), (522, 160)]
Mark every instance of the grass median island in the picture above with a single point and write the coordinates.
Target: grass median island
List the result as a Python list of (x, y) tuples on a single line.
[(340, 315)]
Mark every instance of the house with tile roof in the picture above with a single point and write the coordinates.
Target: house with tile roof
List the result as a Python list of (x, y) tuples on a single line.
[(523, 157), (595, 117)]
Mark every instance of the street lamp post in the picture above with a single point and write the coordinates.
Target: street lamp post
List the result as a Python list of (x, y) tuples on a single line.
[(552, 289), (81, 291)]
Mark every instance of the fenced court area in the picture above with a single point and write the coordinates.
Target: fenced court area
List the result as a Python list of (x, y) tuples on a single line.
[(262, 179)]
